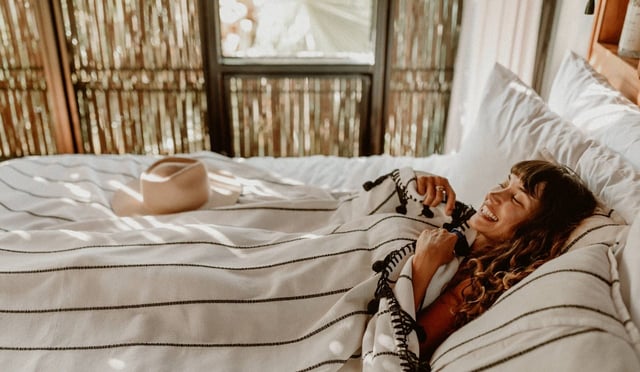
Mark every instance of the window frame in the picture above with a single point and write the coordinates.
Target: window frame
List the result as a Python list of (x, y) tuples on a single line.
[(216, 69)]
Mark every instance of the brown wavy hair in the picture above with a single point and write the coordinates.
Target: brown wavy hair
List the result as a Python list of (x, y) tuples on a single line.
[(564, 202)]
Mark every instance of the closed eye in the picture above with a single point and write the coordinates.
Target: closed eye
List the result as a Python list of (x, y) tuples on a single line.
[(516, 200)]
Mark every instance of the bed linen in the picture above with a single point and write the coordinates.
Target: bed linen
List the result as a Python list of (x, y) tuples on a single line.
[(137, 293), (291, 278)]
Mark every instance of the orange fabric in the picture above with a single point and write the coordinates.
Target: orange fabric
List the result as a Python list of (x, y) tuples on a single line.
[(438, 319)]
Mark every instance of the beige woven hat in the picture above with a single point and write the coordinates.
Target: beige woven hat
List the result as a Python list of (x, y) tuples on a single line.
[(176, 184)]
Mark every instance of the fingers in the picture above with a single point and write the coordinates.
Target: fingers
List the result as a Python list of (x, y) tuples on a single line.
[(451, 201), (437, 244), (436, 190)]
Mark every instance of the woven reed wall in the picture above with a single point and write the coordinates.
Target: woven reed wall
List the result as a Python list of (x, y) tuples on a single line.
[(297, 116), (26, 126), (137, 74), (423, 47)]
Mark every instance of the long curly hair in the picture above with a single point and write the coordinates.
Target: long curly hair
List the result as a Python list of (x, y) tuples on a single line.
[(564, 202)]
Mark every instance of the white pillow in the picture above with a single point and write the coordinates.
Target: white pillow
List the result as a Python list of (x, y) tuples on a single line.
[(515, 124), (583, 96), (565, 316), (629, 261)]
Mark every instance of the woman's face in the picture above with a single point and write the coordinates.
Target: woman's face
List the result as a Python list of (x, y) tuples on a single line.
[(504, 208)]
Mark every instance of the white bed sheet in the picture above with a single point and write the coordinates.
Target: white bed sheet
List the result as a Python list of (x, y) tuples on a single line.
[(345, 174)]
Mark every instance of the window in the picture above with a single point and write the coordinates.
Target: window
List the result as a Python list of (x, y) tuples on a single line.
[(345, 78)]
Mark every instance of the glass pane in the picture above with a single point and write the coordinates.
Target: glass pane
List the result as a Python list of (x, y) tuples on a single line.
[(280, 30)]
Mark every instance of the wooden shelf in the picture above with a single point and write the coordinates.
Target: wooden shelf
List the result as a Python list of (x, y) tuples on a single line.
[(621, 72)]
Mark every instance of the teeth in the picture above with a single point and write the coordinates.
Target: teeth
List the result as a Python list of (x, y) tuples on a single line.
[(487, 213)]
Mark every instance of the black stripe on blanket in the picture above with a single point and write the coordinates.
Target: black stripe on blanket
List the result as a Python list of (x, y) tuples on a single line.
[(202, 266), (57, 197), (206, 242), (175, 303), (66, 181), (189, 345), (35, 214), (520, 317)]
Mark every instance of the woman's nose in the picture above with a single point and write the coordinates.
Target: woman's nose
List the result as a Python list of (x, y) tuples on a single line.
[(497, 195)]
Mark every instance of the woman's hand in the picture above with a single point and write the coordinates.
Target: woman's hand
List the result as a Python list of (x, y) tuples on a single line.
[(434, 248), (436, 189)]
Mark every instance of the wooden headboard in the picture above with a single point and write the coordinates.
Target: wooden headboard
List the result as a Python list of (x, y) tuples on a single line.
[(622, 73)]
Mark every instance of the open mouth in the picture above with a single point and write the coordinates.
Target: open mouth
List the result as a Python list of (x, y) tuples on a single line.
[(486, 213)]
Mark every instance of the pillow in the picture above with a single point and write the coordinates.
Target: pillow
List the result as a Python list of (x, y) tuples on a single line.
[(515, 124), (565, 316), (583, 96), (605, 226), (629, 259)]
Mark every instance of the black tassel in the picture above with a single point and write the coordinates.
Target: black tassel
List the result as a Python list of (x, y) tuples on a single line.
[(373, 305), (427, 212), (378, 266), (589, 9)]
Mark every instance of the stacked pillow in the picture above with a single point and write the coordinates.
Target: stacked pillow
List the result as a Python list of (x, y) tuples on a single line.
[(565, 316), (516, 124), (584, 97), (570, 313)]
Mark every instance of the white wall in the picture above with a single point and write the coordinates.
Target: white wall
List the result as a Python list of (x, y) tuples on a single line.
[(571, 31)]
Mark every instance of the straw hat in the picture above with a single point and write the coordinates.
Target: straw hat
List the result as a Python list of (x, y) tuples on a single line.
[(175, 184)]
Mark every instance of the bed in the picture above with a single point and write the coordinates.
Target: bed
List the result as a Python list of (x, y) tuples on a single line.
[(306, 270)]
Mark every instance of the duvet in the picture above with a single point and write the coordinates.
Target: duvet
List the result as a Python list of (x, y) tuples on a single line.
[(289, 278)]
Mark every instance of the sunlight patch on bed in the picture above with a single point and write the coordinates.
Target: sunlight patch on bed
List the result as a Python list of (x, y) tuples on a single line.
[(154, 238), (127, 224), (213, 232), (102, 208), (78, 191), (154, 222), (117, 364), (77, 234), (386, 341), (21, 233), (126, 189), (336, 347), (311, 236)]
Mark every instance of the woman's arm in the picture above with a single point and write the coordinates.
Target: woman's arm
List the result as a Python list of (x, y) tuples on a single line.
[(438, 319), (433, 249)]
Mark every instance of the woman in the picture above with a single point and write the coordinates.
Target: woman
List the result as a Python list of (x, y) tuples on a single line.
[(522, 223)]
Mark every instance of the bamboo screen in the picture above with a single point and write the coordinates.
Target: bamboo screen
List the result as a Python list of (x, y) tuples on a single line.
[(25, 117), (137, 74), (423, 48), (297, 116)]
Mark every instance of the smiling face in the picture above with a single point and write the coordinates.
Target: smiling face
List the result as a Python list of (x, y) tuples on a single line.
[(504, 209)]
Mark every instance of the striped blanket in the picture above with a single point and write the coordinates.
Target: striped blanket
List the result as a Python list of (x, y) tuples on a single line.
[(292, 278)]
